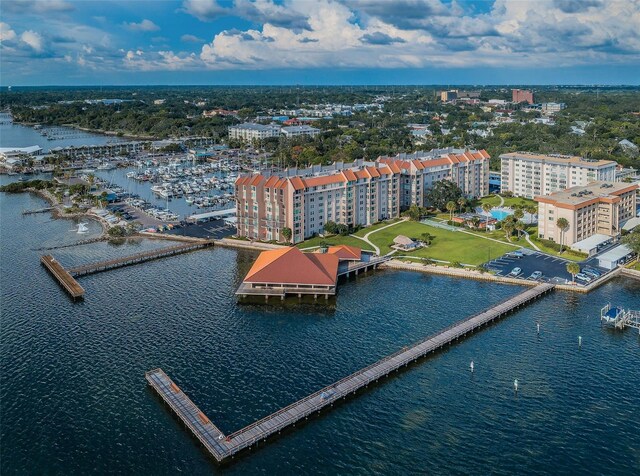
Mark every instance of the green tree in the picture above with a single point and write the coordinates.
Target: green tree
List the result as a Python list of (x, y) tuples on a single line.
[(331, 227), (486, 207), (518, 213), (531, 210), (462, 202), (632, 240), (427, 238), (519, 226), (573, 268), (451, 207), (286, 234), (441, 193), (563, 224), (508, 228)]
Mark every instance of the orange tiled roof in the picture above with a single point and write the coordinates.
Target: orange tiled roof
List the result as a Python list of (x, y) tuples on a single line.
[(297, 183), (272, 181), (292, 266), (325, 180), (345, 252)]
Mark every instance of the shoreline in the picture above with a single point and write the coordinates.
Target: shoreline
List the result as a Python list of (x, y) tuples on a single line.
[(89, 130)]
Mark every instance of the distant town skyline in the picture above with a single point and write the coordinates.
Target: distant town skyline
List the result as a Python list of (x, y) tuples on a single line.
[(320, 42)]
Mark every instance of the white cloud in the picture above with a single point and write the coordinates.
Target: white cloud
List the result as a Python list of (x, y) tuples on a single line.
[(205, 10), (191, 39), (6, 33), (32, 39), (161, 60), (423, 33), (144, 25), (37, 6)]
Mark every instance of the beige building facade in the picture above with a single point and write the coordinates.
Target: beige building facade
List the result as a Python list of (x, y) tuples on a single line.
[(598, 208), (529, 175), (355, 194)]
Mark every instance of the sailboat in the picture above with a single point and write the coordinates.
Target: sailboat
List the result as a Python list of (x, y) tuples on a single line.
[(82, 228)]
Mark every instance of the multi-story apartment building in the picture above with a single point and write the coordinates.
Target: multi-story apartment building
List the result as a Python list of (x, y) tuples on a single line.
[(529, 175), (302, 130), (522, 95), (250, 131), (598, 208), (358, 193)]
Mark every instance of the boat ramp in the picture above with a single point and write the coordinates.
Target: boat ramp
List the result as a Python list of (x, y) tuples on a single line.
[(222, 447)]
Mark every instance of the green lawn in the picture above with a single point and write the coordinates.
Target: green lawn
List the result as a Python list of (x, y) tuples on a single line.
[(366, 230), (335, 240), (447, 246), (494, 201)]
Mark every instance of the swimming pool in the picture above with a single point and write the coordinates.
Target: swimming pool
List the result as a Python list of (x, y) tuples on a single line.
[(499, 214)]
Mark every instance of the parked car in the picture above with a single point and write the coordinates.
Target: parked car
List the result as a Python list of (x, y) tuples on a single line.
[(583, 277), (591, 273), (536, 275), (515, 272), (515, 254), (594, 273)]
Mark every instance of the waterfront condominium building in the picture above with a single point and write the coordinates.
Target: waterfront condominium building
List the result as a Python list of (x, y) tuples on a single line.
[(597, 208), (250, 131), (358, 193), (529, 175)]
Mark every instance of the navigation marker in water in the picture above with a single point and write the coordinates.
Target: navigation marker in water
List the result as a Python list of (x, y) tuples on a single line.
[(471, 366), (538, 326), (580, 341), (515, 385)]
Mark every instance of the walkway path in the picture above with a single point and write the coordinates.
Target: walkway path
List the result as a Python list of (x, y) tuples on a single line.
[(365, 238), (501, 201), (526, 236)]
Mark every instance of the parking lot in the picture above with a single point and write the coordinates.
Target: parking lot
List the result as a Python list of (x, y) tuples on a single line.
[(215, 229), (553, 269)]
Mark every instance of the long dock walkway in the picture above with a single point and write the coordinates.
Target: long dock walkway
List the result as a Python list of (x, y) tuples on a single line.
[(222, 446), (135, 259), (62, 276)]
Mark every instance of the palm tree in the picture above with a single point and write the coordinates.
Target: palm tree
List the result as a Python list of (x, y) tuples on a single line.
[(563, 224), (486, 208), (451, 207), (518, 213), (519, 226), (508, 229), (286, 233), (461, 203), (573, 269), (531, 210)]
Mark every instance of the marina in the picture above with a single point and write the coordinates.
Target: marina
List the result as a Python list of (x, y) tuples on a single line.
[(620, 318), (222, 447)]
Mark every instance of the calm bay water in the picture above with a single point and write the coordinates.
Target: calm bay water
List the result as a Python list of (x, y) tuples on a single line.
[(74, 398), (16, 135)]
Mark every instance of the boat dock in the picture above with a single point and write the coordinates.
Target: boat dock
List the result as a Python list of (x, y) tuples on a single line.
[(66, 277), (136, 258), (63, 277), (223, 447), (365, 265), (620, 318), (39, 210)]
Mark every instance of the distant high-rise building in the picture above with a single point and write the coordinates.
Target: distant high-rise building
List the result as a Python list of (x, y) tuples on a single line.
[(522, 95), (446, 96)]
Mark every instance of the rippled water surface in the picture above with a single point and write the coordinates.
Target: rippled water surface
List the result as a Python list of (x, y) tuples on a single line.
[(74, 399)]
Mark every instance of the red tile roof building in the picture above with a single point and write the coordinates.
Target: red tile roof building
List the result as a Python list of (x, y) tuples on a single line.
[(360, 193)]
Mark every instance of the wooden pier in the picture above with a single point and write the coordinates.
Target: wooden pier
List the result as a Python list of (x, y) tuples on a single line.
[(63, 277), (222, 446), (135, 259), (361, 266)]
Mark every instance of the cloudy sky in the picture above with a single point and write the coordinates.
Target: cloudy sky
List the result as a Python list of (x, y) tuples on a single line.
[(65, 42)]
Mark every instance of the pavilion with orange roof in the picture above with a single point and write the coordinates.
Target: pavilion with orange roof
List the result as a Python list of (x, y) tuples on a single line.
[(291, 271)]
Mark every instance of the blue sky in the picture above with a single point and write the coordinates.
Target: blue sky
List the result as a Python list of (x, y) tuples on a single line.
[(93, 42)]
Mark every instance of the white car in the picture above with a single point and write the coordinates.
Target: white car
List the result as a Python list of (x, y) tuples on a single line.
[(536, 275), (515, 272)]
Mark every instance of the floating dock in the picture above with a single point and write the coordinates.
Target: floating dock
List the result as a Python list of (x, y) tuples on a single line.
[(137, 258), (223, 447), (63, 277)]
